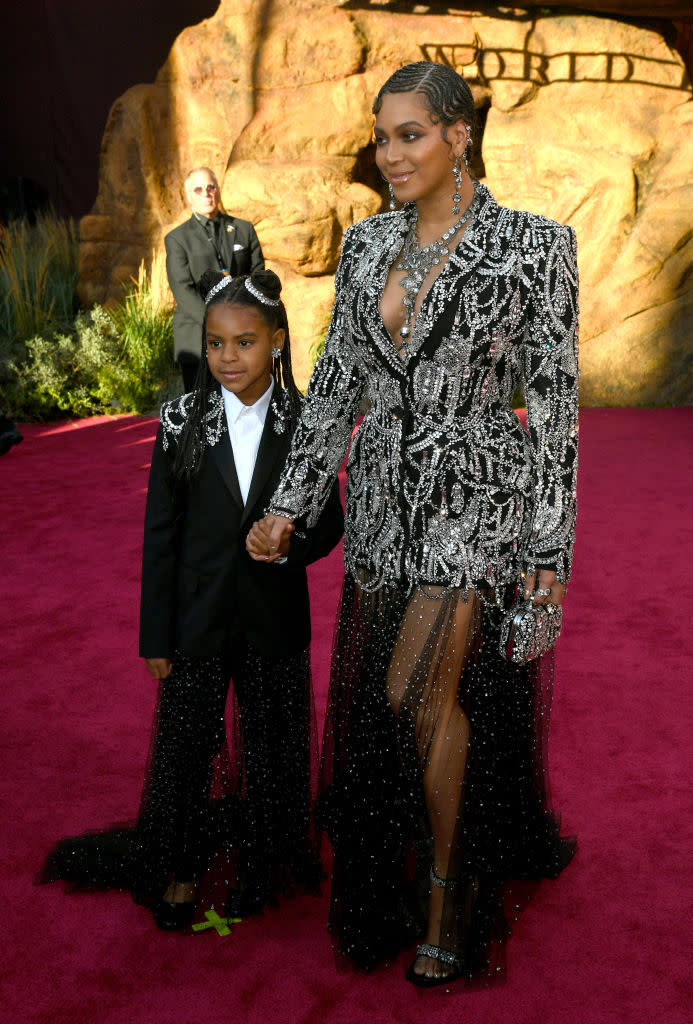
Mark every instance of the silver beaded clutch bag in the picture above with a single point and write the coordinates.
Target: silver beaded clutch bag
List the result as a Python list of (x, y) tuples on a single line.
[(528, 630)]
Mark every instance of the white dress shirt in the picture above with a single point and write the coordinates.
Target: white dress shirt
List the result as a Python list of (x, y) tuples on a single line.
[(245, 423)]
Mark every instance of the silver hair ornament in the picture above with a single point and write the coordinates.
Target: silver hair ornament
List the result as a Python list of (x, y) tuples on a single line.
[(226, 280), (265, 299)]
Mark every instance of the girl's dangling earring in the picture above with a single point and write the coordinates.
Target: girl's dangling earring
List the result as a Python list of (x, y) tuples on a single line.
[(457, 198), (276, 364)]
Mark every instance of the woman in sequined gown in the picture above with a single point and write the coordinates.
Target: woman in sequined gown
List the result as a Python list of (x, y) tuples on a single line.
[(434, 788)]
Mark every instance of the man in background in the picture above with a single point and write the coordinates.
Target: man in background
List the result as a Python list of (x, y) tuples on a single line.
[(209, 240)]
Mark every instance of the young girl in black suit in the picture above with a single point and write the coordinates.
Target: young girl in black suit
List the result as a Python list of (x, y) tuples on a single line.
[(211, 616)]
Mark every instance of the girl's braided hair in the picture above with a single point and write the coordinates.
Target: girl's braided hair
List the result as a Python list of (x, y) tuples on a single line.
[(264, 284)]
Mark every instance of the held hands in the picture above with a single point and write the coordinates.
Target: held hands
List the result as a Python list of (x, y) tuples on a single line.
[(269, 538), (267, 541), (160, 668), (545, 590)]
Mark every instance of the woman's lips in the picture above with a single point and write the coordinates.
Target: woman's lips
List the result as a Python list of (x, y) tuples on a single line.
[(399, 179)]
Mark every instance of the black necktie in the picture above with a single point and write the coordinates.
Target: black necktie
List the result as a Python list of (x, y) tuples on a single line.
[(213, 229)]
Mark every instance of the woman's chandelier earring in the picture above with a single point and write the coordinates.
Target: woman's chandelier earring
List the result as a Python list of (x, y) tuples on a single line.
[(457, 198), (468, 148), (393, 201)]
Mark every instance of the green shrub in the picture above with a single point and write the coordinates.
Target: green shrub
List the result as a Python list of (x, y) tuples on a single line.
[(111, 360), (64, 373), (38, 281)]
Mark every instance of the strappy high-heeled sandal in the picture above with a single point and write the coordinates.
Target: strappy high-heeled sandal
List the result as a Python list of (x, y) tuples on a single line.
[(445, 956)]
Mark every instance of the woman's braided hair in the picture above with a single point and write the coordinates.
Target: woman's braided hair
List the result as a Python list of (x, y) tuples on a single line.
[(445, 94), (265, 283)]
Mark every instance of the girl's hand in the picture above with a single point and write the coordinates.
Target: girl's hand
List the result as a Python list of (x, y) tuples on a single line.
[(545, 590), (269, 538), (160, 668)]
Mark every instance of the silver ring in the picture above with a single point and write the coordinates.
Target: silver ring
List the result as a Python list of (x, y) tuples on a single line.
[(544, 593)]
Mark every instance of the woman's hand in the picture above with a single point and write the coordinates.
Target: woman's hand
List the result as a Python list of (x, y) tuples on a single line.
[(160, 668), (269, 538), (546, 589)]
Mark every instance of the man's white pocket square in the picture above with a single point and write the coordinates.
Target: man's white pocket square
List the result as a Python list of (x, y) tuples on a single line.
[(237, 246)]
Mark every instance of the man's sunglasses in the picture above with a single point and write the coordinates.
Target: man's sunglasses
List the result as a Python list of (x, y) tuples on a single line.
[(199, 189)]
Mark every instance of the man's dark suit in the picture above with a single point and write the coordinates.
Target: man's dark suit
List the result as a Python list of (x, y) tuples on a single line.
[(198, 581), (189, 252)]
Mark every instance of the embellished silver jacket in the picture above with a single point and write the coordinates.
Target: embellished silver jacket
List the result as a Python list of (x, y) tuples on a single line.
[(174, 415), (444, 485)]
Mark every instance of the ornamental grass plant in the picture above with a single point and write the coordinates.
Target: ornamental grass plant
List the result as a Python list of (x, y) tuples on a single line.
[(38, 282), (38, 276), (99, 361), (143, 375)]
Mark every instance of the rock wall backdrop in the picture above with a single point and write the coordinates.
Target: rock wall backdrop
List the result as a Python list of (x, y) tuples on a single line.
[(587, 119)]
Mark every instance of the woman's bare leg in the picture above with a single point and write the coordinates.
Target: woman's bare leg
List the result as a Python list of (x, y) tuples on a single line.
[(423, 684)]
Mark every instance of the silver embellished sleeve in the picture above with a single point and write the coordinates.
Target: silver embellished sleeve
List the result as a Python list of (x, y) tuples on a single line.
[(550, 369), (327, 418)]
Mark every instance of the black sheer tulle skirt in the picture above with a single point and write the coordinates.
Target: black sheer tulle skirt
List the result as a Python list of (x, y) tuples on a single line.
[(434, 756), (228, 792)]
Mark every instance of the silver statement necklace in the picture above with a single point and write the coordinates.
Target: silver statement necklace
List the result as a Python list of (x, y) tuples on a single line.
[(418, 262)]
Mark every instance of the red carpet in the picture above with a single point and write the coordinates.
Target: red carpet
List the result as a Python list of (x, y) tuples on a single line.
[(608, 942)]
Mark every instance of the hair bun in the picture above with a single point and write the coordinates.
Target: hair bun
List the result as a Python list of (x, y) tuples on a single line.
[(207, 282), (268, 283)]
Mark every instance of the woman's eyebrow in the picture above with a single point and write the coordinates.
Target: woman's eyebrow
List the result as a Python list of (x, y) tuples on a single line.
[(400, 127)]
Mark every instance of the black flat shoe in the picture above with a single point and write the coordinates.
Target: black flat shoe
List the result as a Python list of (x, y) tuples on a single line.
[(172, 917), (250, 900)]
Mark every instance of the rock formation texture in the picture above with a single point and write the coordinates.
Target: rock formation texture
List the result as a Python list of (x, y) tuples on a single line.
[(628, 8), (587, 119)]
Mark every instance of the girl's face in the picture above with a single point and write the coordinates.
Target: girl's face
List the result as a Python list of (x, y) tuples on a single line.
[(239, 349), (410, 150)]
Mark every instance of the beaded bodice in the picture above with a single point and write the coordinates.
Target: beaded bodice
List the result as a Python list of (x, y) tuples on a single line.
[(443, 483)]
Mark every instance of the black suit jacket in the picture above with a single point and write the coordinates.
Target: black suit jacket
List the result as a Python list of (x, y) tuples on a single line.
[(189, 253), (199, 585)]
